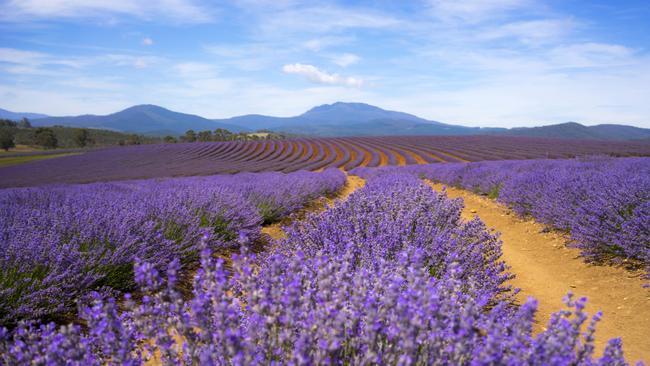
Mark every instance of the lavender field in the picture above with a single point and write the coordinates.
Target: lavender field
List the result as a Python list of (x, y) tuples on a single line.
[(603, 203), (61, 243), (390, 276), (189, 159), (337, 183)]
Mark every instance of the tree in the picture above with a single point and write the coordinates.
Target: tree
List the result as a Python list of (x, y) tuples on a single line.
[(205, 136), (7, 123), (221, 134), (134, 140), (81, 137), (190, 136), (24, 123), (46, 138), (170, 139), (6, 139)]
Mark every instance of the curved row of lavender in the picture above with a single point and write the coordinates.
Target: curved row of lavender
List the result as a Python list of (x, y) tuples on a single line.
[(165, 160), (603, 203), (61, 242), (389, 277)]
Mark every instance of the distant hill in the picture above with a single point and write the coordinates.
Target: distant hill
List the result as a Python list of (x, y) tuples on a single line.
[(350, 119), (337, 119), (145, 119), (17, 116), (574, 130), (359, 119)]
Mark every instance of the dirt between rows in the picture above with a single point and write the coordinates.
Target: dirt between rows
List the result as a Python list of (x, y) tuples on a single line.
[(547, 270), (352, 183)]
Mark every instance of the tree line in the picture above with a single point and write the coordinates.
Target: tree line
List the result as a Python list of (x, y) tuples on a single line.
[(221, 134), (22, 132), (14, 133)]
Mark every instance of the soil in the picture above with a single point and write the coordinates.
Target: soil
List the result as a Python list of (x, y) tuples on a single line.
[(547, 270), (275, 232)]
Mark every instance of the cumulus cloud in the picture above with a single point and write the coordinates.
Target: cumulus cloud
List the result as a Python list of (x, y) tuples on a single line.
[(147, 41), (315, 75), (346, 59)]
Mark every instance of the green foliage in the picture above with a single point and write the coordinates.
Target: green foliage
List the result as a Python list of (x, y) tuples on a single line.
[(117, 276), (221, 226), (190, 136), (24, 123), (7, 123), (81, 137), (6, 138), (494, 191), (134, 139), (269, 211), (45, 138), (170, 139), (205, 136), (15, 160), (20, 282)]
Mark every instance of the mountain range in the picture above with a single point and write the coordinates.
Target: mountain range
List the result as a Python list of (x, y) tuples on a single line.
[(337, 119), (17, 116)]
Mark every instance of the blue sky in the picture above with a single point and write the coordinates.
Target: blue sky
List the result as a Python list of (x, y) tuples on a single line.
[(470, 62)]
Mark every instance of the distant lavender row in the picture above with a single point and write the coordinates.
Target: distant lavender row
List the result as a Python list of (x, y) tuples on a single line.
[(390, 277), (167, 160), (60, 242), (603, 203)]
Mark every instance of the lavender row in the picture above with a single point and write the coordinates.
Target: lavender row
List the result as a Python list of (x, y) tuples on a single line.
[(603, 203), (59, 243), (188, 159), (392, 276)]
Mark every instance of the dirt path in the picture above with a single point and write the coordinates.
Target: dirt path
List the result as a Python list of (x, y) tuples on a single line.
[(352, 183), (546, 270)]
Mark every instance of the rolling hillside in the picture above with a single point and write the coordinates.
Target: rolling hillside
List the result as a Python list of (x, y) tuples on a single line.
[(17, 116), (146, 119), (347, 153), (328, 120)]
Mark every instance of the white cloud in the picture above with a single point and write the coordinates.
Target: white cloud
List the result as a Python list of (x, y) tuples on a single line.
[(533, 31), (21, 62), (181, 11), (147, 41), (16, 56), (320, 43), (195, 70), (474, 11), (323, 19), (315, 75), (583, 55), (139, 62), (94, 83), (346, 59)]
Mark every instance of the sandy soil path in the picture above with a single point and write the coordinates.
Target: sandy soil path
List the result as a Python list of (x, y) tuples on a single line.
[(352, 183), (546, 270)]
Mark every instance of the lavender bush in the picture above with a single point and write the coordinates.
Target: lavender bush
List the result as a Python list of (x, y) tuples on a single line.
[(603, 203), (335, 301), (60, 242)]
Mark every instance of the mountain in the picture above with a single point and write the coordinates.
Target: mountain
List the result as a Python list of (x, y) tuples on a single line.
[(17, 116), (574, 130), (145, 119), (339, 113), (359, 119), (337, 119), (348, 119)]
